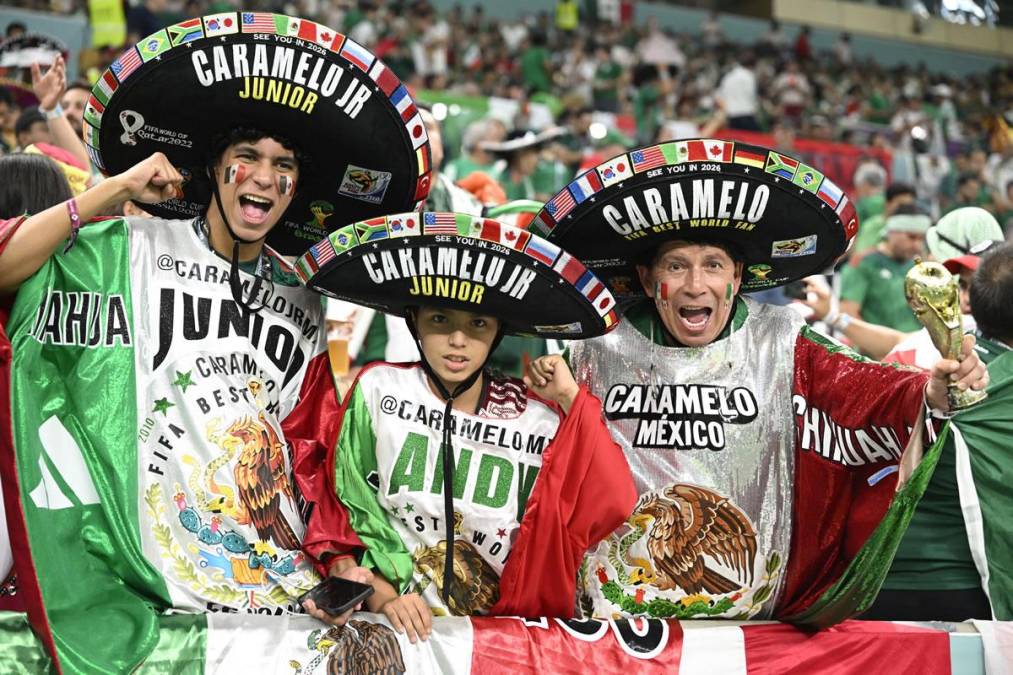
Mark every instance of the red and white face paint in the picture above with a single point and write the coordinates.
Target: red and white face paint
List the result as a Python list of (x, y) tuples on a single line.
[(235, 173), (662, 291), (286, 185)]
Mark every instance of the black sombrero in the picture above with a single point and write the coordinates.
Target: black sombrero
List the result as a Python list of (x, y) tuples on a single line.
[(462, 262), (787, 218), (24, 50), (177, 88)]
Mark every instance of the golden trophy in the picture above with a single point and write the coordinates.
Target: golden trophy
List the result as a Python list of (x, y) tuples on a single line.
[(933, 295)]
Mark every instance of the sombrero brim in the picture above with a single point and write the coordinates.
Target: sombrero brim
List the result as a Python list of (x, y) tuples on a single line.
[(178, 88), (23, 95), (787, 218), (458, 261), (24, 50), (531, 140)]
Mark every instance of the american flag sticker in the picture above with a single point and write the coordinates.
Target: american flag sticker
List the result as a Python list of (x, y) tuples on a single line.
[(259, 22), (323, 252), (128, 62), (357, 54), (439, 223), (560, 205), (647, 159)]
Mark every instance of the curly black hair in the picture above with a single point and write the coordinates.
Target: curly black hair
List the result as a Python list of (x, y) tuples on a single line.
[(220, 142)]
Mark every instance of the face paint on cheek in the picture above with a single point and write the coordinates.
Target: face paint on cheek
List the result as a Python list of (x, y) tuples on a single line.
[(661, 293), (728, 293), (286, 185), (235, 173)]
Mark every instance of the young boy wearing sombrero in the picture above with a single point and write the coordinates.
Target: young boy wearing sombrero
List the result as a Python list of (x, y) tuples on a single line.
[(170, 377), (767, 456), (535, 477)]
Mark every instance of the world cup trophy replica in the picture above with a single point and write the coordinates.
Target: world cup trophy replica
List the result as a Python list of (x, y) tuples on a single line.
[(933, 295)]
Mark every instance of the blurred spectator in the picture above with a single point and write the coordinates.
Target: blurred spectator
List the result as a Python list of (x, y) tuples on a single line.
[(474, 156), (803, 49), (606, 83), (31, 128), (567, 16), (873, 289), (73, 103), (143, 19), (791, 91), (969, 189), (365, 31), (738, 94), (577, 143), (536, 65), (15, 29), (658, 48), (842, 50), (647, 102), (870, 230), (430, 50), (443, 194), (869, 194), (8, 116), (774, 42), (520, 152), (713, 34)]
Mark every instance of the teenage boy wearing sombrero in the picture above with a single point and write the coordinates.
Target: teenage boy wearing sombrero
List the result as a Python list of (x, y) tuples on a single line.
[(536, 476), (181, 356), (766, 456)]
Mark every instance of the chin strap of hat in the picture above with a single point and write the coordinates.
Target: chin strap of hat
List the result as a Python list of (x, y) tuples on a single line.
[(447, 447), (234, 284)]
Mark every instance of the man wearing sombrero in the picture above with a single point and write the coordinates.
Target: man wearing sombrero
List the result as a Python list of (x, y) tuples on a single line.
[(170, 376), (535, 476), (767, 456)]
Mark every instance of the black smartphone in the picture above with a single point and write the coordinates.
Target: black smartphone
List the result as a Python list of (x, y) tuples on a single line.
[(336, 596)]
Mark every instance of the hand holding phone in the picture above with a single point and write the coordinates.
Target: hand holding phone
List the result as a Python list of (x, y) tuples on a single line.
[(335, 596)]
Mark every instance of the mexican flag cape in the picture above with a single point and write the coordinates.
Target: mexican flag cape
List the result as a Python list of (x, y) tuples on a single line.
[(981, 438), (289, 645), (157, 441)]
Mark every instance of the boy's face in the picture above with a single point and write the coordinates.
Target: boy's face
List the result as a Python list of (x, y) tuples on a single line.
[(256, 181), (454, 342)]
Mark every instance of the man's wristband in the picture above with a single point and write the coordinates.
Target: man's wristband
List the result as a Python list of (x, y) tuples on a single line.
[(55, 113)]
